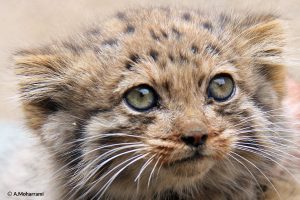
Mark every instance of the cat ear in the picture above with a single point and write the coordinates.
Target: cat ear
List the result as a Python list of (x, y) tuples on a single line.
[(41, 84), (264, 43)]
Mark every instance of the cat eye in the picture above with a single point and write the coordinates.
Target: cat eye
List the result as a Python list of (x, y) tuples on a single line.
[(221, 87), (141, 98)]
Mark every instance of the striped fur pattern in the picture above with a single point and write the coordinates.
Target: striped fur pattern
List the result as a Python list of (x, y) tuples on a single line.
[(72, 94)]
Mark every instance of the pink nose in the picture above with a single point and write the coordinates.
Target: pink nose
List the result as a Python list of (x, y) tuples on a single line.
[(195, 134)]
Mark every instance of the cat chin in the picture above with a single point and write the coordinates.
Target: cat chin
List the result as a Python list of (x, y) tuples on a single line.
[(195, 168)]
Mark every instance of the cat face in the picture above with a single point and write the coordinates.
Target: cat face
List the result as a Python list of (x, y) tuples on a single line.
[(161, 105)]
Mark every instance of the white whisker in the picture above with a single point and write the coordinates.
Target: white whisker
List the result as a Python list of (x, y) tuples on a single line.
[(109, 182), (152, 172), (259, 172)]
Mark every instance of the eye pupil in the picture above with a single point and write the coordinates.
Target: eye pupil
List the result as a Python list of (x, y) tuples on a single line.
[(221, 87), (141, 98)]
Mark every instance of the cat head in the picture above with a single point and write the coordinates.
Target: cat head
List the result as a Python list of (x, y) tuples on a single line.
[(159, 97)]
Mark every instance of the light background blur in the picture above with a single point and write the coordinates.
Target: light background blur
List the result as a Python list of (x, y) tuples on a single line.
[(27, 23)]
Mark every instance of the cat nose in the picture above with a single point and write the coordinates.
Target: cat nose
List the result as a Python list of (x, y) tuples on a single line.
[(194, 139), (195, 134)]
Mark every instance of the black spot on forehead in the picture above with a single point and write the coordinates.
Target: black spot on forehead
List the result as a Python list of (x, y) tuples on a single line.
[(176, 33), (110, 42), (129, 29), (122, 16), (171, 57), (154, 35), (133, 59), (164, 34), (208, 26), (186, 16), (154, 54), (183, 58)]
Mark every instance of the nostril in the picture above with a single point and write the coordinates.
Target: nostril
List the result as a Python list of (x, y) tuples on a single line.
[(188, 140), (194, 140), (203, 139)]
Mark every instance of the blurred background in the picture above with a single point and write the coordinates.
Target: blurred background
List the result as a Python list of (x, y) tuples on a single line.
[(27, 23)]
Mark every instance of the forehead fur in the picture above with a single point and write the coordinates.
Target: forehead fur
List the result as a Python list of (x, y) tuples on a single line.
[(175, 51)]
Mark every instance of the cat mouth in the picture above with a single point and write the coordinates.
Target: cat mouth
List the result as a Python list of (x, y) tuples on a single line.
[(195, 165), (195, 157)]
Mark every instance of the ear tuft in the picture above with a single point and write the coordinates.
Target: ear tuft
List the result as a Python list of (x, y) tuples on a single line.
[(40, 76), (264, 44), (40, 84)]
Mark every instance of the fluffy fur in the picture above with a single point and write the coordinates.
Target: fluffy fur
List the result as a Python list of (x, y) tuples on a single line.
[(72, 93)]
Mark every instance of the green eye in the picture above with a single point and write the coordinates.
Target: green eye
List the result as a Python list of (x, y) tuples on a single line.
[(221, 87), (141, 98)]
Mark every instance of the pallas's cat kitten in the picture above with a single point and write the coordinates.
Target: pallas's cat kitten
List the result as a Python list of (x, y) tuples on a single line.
[(162, 103)]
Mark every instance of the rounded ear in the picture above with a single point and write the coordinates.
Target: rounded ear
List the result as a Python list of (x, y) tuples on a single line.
[(264, 44), (40, 84)]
